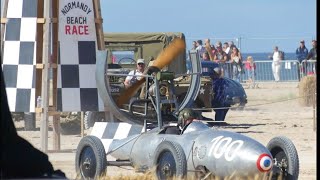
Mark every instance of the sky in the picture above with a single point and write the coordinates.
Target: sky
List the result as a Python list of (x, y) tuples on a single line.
[(253, 25)]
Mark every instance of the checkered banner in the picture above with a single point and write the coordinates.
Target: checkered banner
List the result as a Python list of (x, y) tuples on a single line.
[(109, 132), (19, 54), (77, 90)]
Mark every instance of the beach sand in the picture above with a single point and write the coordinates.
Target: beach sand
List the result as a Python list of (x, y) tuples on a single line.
[(272, 110)]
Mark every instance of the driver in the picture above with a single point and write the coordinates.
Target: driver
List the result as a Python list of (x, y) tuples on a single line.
[(139, 71), (185, 117)]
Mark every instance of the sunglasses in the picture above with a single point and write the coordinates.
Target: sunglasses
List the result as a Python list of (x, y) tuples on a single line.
[(140, 64)]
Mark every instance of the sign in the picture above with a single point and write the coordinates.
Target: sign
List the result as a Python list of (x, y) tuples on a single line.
[(76, 82), (76, 21)]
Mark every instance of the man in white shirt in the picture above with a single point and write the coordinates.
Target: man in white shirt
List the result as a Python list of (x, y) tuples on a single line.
[(139, 71), (276, 63)]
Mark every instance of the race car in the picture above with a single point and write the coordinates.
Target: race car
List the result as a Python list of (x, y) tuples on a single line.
[(199, 151)]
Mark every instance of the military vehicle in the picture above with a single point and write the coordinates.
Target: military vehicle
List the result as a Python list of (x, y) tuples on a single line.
[(124, 48)]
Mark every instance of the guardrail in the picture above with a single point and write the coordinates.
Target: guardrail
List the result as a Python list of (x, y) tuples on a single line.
[(290, 70), (308, 67)]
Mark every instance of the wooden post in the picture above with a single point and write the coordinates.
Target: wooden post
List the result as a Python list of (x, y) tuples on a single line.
[(3, 15), (101, 45), (54, 62), (98, 23), (45, 78), (39, 58)]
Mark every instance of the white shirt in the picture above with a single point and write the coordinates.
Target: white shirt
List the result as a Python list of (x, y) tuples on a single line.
[(128, 78), (276, 56)]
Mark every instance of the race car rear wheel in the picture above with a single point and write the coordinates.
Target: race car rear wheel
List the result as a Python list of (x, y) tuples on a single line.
[(285, 156), (91, 161), (170, 161)]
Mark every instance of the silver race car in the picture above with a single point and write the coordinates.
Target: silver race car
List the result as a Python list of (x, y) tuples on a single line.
[(199, 151)]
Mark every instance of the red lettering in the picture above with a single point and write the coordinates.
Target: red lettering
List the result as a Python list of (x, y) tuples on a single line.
[(80, 32), (86, 30), (77, 30), (74, 30), (67, 28)]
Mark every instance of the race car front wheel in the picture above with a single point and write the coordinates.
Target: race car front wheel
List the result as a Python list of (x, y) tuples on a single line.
[(285, 156), (91, 161), (170, 161)]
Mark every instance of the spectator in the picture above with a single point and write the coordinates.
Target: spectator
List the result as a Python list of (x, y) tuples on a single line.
[(200, 48), (313, 52), (194, 45), (301, 52), (231, 44), (312, 55), (205, 56), (251, 68), (276, 57), (209, 48), (220, 57), (237, 66), (227, 50)]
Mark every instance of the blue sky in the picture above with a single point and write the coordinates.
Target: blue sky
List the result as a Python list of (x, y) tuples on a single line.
[(254, 25)]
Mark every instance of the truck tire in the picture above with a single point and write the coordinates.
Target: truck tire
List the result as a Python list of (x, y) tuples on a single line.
[(91, 117), (29, 121)]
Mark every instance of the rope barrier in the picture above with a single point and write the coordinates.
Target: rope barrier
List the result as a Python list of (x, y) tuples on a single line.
[(253, 104)]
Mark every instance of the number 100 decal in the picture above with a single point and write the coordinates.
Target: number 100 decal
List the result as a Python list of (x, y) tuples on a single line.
[(225, 146)]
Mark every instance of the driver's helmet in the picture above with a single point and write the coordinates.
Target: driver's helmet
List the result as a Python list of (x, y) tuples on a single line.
[(185, 115)]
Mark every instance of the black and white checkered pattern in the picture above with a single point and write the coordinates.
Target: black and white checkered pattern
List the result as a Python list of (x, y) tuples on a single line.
[(76, 71), (108, 132), (77, 90), (19, 54)]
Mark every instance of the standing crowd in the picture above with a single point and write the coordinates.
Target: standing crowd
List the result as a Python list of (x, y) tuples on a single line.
[(232, 65), (227, 55)]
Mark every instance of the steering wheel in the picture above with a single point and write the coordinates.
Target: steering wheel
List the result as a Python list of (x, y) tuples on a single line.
[(126, 59)]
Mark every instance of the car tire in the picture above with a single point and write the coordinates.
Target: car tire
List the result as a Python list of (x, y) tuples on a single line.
[(91, 117), (91, 160), (283, 149), (170, 161)]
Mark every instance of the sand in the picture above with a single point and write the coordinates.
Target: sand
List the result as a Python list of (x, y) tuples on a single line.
[(272, 110)]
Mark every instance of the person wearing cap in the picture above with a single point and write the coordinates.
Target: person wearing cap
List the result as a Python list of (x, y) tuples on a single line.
[(135, 75)]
